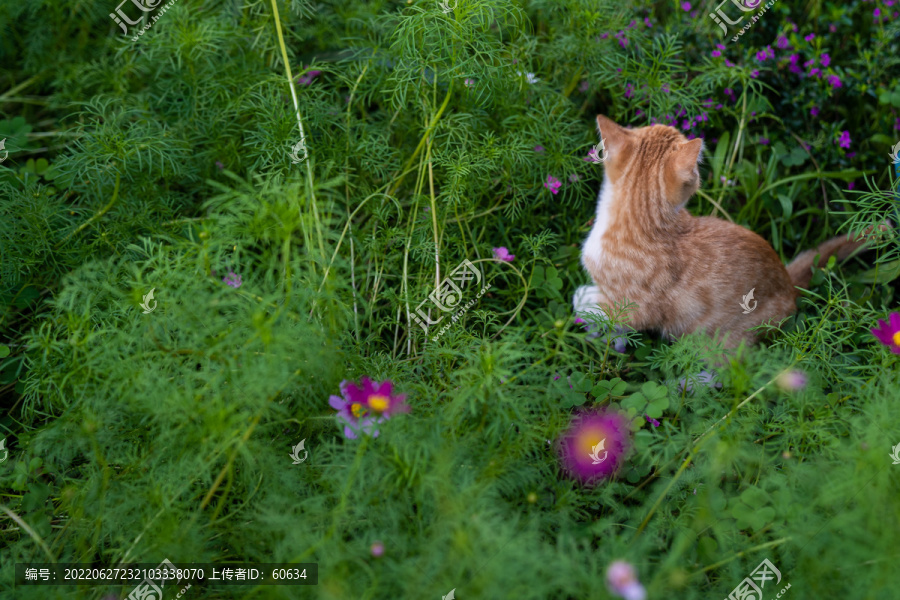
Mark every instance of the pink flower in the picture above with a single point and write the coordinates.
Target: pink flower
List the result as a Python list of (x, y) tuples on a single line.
[(469, 82), (791, 381), (716, 54), (232, 279), (553, 184), (622, 581), (594, 446), (810, 37), (876, 13), (845, 139), (763, 141), (825, 60), (650, 419), (782, 42), (377, 549), (629, 90), (357, 408), (730, 93), (888, 332), (834, 80), (503, 254), (851, 185), (308, 77), (685, 6), (815, 73)]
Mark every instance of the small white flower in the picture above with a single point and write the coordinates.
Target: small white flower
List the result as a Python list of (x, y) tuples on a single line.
[(528, 77)]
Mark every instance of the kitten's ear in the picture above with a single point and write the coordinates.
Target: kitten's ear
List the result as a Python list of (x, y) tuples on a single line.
[(614, 137), (686, 157)]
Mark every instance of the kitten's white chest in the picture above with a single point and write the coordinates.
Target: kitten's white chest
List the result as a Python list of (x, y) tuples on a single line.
[(593, 246)]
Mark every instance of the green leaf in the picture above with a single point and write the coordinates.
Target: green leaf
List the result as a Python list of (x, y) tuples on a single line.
[(787, 206), (4, 351), (604, 388), (883, 273)]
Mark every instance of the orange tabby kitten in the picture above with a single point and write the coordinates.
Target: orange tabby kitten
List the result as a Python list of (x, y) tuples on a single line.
[(685, 273)]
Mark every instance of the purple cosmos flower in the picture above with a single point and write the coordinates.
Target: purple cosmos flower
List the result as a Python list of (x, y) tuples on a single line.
[(579, 320), (730, 93), (791, 381), (622, 581), (809, 62), (650, 419), (825, 60), (763, 141), (232, 279), (814, 111), (834, 80), (764, 54), (897, 124), (720, 46), (810, 37), (308, 77), (573, 177), (844, 142), (377, 549), (553, 184), (685, 6), (876, 13), (716, 54), (503, 254), (594, 446), (357, 409), (538, 148), (888, 333), (647, 22), (815, 73), (783, 43), (469, 82), (754, 73), (851, 185), (629, 90), (665, 88)]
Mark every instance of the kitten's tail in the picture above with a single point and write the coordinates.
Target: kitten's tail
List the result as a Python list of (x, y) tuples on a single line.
[(842, 246)]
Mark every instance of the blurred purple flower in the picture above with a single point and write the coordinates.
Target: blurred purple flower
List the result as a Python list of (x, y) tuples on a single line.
[(685, 6), (783, 43), (764, 141), (825, 60), (538, 148), (814, 111), (307, 78), (622, 581), (651, 420), (595, 444), (377, 549), (834, 80), (503, 254), (553, 184), (809, 37), (844, 142), (791, 381), (232, 279), (584, 86)]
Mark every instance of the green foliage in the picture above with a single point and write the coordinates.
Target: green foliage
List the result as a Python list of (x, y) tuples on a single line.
[(164, 164)]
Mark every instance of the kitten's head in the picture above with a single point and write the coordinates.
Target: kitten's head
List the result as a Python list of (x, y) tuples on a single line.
[(655, 161)]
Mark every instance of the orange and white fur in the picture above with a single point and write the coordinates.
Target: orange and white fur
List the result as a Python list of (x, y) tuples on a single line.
[(686, 274)]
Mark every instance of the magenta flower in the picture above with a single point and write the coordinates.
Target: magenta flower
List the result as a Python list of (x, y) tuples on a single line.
[(897, 124), (791, 381), (629, 90), (469, 82), (538, 149), (763, 141), (764, 54), (815, 73), (814, 111), (810, 37), (716, 54), (754, 73), (888, 333), (825, 60), (622, 581), (232, 279), (594, 446), (876, 13), (308, 77), (783, 43), (844, 142), (834, 80), (377, 549), (503, 254), (579, 320), (650, 419), (851, 185), (647, 22), (730, 93), (553, 184), (685, 6), (832, 28), (361, 410)]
